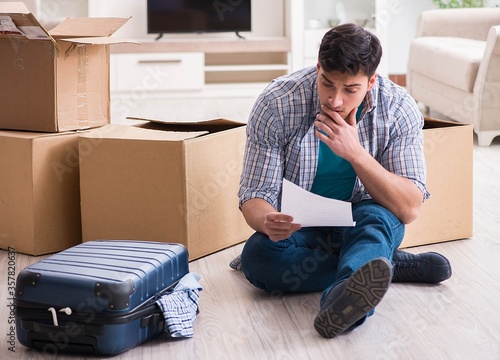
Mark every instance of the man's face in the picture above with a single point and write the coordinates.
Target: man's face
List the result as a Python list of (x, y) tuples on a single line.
[(341, 92)]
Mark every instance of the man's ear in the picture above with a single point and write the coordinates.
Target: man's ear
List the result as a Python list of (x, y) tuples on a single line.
[(317, 67), (371, 81)]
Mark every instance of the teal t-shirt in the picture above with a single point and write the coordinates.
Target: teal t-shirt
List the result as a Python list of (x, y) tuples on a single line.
[(335, 176)]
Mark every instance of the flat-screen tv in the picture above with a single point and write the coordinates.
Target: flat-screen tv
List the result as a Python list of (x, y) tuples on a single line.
[(198, 16)]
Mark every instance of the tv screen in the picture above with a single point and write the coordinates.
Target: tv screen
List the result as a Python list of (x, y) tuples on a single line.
[(187, 16)]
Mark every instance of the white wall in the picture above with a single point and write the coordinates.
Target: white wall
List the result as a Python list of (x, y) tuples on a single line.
[(402, 27), (52, 12)]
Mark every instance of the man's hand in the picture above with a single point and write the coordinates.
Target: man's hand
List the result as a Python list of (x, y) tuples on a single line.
[(396, 193), (340, 135), (279, 226), (263, 218)]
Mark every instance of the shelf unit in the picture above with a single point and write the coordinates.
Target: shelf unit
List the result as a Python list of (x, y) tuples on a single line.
[(191, 80), (245, 67), (308, 22)]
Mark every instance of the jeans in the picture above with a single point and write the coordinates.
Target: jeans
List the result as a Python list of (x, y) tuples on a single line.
[(318, 258)]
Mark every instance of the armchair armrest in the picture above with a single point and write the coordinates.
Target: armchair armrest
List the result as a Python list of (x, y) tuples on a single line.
[(471, 23), (487, 86)]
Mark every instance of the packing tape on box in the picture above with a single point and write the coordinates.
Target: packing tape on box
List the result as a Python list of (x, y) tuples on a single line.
[(81, 97), (19, 56), (81, 91)]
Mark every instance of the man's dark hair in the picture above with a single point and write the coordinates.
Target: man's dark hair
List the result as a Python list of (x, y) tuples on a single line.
[(350, 49)]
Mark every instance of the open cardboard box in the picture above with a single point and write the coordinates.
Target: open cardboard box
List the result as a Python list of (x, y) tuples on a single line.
[(39, 192), (170, 182), (448, 214), (55, 80)]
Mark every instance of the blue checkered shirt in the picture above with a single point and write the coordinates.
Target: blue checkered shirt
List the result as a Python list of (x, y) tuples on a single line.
[(281, 141), (180, 306)]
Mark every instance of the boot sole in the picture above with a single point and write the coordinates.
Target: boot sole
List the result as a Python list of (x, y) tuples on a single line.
[(364, 290)]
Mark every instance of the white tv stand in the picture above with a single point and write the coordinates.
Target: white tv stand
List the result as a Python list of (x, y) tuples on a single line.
[(192, 79)]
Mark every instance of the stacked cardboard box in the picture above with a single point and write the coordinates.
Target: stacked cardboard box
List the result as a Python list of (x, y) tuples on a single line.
[(55, 80), (54, 83), (39, 193)]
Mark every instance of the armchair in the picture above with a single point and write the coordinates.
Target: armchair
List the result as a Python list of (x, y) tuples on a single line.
[(454, 67)]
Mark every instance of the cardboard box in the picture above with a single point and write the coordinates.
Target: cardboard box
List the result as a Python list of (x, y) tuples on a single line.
[(448, 214), (39, 192), (58, 80), (164, 182)]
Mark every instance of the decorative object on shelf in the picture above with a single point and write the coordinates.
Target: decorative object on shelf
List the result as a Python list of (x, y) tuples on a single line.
[(448, 4), (361, 22), (333, 22), (371, 23)]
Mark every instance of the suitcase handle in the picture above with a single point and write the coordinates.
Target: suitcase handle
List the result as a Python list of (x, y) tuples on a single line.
[(53, 311), (152, 319)]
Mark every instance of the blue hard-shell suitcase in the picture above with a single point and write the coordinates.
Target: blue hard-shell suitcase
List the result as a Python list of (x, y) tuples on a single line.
[(97, 297)]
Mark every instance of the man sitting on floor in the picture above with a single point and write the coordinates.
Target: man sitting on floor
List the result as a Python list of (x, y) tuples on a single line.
[(341, 131)]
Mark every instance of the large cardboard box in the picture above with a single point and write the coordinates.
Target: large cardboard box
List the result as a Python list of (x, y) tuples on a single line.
[(167, 182), (448, 214), (58, 80), (39, 192)]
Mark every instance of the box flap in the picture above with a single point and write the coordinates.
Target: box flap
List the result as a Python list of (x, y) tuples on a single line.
[(103, 40), (202, 125), (113, 131), (431, 123), (31, 135), (87, 27), (25, 21)]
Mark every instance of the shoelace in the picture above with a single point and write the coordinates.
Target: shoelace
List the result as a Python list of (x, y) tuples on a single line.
[(407, 270)]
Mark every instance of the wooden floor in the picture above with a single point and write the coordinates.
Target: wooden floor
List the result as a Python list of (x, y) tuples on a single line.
[(458, 319)]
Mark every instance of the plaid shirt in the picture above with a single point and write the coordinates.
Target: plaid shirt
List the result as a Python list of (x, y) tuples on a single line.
[(180, 306), (281, 141)]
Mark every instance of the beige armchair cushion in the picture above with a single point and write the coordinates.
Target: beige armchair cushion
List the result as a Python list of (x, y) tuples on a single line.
[(450, 60)]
